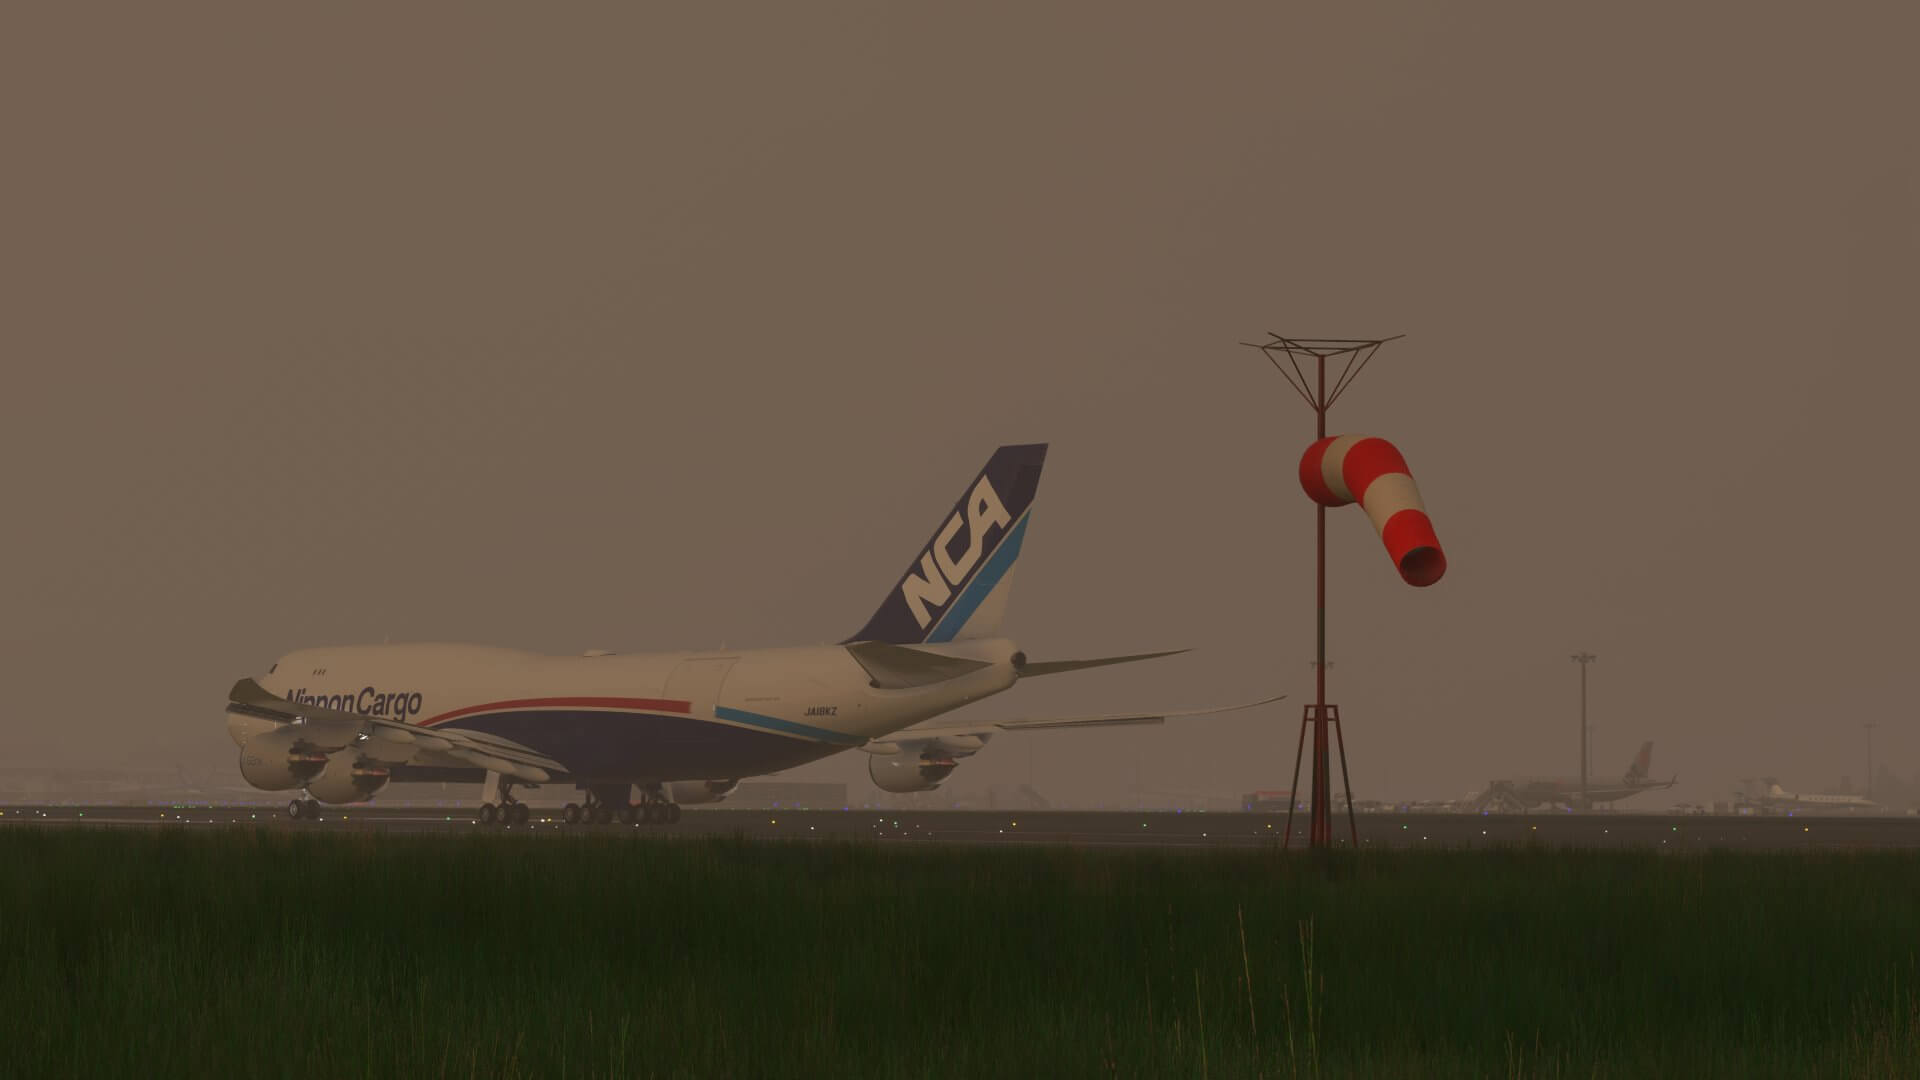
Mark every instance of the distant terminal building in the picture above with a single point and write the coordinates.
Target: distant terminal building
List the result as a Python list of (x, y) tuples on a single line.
[(1258, 801), (788, 795)]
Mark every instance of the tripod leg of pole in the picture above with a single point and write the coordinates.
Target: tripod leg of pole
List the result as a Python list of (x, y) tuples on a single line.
[(1299, 749), (1321, 829), (1353, 829)]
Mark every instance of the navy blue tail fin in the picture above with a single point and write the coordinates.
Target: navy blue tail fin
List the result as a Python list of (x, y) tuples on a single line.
[(956, 587)]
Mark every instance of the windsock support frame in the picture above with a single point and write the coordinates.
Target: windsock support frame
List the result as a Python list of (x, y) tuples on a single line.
[(1353, 354)]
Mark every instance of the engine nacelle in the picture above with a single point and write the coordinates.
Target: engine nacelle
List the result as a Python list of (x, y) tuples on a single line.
[(276, 761), (694, 792), (348, 779), (904, 773)]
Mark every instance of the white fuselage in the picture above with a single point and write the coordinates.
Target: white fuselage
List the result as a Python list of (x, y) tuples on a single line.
[(1777, 796), (649, 717)]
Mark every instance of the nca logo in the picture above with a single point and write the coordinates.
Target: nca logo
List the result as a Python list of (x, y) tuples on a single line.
[(941, 570)]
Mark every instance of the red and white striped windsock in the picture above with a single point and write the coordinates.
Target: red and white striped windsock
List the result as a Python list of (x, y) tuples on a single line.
[(1341, 469)]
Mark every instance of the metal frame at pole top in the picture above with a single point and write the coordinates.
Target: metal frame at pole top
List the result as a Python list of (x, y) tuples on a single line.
[(1356, 352)]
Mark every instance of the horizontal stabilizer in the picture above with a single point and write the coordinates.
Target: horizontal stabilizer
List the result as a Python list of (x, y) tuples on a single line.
[(898, 667), (1054, 667)]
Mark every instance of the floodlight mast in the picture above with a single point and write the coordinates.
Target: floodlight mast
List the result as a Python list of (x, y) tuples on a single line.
[(1320, 398), (1583, 659)]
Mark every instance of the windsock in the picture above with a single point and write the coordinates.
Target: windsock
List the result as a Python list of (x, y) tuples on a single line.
[(1361, 468)]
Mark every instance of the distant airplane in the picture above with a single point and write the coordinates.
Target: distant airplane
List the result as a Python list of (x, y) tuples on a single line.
[(1778, 798), (1525, 793), (1442, 806), (342, 723)]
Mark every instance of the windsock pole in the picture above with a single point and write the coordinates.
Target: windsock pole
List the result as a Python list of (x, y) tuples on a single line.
[(1319, 825), (1320, 832), (1320, 715)]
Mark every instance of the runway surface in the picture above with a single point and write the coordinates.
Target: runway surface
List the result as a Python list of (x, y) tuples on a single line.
[(1088, 829)]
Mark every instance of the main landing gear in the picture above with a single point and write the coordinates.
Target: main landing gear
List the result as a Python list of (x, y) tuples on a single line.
[(503, 808), (508, 813), (304, 809), (606, 802)]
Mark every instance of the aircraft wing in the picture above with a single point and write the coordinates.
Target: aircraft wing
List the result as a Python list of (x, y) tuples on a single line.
[(384, 739), (926, 731)]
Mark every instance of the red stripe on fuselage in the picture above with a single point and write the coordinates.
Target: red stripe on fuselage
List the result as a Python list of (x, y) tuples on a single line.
[(646, 704)]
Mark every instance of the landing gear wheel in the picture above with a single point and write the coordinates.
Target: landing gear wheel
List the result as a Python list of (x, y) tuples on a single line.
[(602, 815), (634, 815), (519, 814), (671, 813), (570, 813), (489, 814), (297, 809)]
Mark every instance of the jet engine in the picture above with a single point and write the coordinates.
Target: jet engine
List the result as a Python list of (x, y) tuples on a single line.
[(694, 792), (277, 761), (348, 779), (903, 773)]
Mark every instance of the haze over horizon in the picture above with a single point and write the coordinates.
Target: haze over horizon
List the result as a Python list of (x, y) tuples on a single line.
[(664, 328)]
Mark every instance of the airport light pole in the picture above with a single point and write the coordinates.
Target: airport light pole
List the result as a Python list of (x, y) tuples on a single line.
[(1870, 725), (1583, 659)]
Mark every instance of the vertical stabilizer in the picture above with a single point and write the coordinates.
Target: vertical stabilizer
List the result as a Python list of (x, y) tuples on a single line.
[(956, 586), (1642, 762)]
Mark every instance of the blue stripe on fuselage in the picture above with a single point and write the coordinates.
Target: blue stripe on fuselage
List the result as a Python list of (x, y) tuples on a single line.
[(774, 723), (613, 744), (976, 592)]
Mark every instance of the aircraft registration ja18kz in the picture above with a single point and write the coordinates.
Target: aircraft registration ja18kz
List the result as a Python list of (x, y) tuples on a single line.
[(677, 728)]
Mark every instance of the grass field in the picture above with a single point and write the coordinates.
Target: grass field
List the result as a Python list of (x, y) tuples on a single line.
[(274, 952)]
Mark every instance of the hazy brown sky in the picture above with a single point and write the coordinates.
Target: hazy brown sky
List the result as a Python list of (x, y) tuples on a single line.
[(648, 327)]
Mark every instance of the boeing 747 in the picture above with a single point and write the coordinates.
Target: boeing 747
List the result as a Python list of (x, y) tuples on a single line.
[(341, 723)]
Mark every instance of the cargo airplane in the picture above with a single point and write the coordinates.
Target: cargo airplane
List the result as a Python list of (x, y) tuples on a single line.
[(677, 728)]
